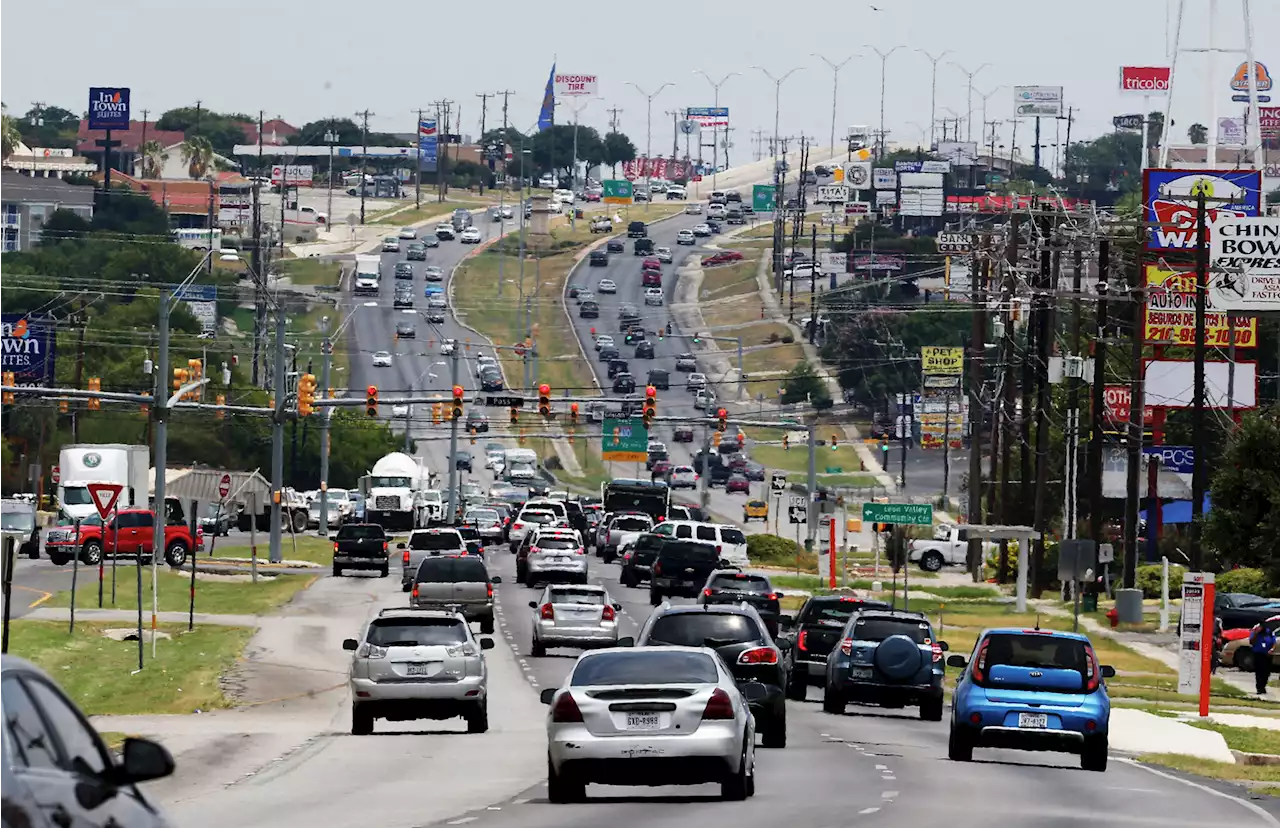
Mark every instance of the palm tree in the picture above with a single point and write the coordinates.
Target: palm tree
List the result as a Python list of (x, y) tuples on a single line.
[(10, 134), (1198, 133), (153, 158), (197, 154)]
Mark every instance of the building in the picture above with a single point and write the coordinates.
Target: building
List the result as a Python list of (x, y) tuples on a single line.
[(26, 202), (275, 132), (48, 162), (125, 155), (173, 168)]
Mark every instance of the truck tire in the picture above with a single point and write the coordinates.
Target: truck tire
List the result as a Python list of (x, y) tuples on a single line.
[(58, 559), (299, 520), (931, 561), (91, 553), (176, 554), (384, 570)]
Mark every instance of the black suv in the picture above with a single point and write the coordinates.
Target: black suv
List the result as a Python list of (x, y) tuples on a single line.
[(637, 563), (615, 246), (886, 657), (624, 383), (642, 247), (660, 379), (618, 366), (681, 568), (599, 258), (637, 230), (739, 635), (403, 270), (816, 632), (730, 586)]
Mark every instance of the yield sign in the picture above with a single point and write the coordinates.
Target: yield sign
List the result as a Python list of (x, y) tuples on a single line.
[(104, 497)]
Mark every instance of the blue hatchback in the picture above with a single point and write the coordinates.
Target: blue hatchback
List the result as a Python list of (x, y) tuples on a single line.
[(1031, 690)]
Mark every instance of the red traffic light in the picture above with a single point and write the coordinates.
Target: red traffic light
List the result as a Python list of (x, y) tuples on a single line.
[(573, 408), (458, 392), (371, 390), (742, 438), (650, 392), (722, 413), (544, 389)]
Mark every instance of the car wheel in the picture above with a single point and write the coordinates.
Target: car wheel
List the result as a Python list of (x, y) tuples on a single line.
[(91, 553), (627, 578), (299, 521), (176, 555), (797, 690), (337, 573), (384, 571), (735, 788), (561, 790), (775, 735), (1094, 755), (478, 720), (536, 649), (1242, 659), (959, 745), (486, 626), (529, 581), (832, 702), (59, 560), (931, 561), (403, 587), (931, 709), (361, 721), (655, 597)]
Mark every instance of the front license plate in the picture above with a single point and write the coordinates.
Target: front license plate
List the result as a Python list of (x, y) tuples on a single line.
[(860, 673), (422, 669), (643, 721), (1033, 720)]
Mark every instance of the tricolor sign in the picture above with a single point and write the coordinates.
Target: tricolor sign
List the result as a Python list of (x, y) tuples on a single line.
[(1145, 80), (1170, 199)]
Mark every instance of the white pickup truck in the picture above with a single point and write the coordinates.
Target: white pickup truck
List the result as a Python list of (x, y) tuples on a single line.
[(950, 546)]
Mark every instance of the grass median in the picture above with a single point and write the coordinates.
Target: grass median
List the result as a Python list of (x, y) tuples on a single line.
[(216, 594), (97, 671)]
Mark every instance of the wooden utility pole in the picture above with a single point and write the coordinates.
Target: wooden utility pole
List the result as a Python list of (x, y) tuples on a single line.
[(364, 159), (1096, 391), (977, 410), (1049, 261)]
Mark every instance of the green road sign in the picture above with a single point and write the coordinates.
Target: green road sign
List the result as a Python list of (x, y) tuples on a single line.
[(624, 441), (910, 514), (762, 198), (616, 192)]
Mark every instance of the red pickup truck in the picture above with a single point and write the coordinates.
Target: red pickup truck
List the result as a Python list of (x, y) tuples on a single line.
[(131, 533)]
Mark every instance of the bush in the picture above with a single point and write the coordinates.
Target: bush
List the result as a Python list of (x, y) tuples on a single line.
[(553, 463), (1147, 579), (772, 550), (1244, 579)]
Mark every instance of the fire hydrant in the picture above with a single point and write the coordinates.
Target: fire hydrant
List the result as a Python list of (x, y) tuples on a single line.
[(1113, 617)]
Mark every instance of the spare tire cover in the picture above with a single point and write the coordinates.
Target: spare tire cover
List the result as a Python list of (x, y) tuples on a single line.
[(898, 657)]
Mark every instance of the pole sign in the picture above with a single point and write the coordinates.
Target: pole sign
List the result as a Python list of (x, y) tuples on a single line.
[(1244, 258), (224, 486), (616, 191), (108, 107), (1177, 459), (798, 511), (624, 441), (1261, 82), (104, 496), (55, 474), (1118, 399), (1145, 80), (955, 242), (832, 194), (1127, 122), (292, 175), (708, 116), (857, 208), (1169, 317), (1170, 199), (428, 143), (1037, 101), (763, 198), (884, 178), (571, 85), (858, 175), (28, 349), (1195, 644), (943, 361), (902, 514), (778, 482)]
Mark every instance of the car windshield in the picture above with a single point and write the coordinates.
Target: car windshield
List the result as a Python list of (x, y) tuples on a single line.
[(378, 482), (568, 595), (481, 516), (433, 541), (416, 632), (361, 533), (742, 583), (18, 520), (878, 629), (696, 629), (632, 524), (445, 570), (689, 553), (641, 667), (76, 496), (729, 534)]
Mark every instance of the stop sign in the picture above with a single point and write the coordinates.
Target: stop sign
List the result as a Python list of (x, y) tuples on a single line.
[(224, 486), (56, 474)]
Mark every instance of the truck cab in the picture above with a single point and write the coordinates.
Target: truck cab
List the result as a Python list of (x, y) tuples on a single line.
[(950, 546), (130, 533)]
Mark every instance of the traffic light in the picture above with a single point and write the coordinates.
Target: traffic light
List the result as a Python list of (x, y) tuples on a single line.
[(650, 409), (715, 438), (573, 415), (371, 401), (437, 412), (473, 435), (722, 418), (544, 401), (697, 339), (64, 405), (515, 415), (181, 376), (10, 380), (95, 384), (742, 439), (835, 441), (196, 367), (884, 449), (306, 395), (221, 400), (458, 393), (786, 443)]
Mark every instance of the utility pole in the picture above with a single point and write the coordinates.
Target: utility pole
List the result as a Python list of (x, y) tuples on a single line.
[(255, 262), (1137, 404), (160, 447), (417, 174), (484, 110), (442, 129), (977, 410), (757, 143), (326, 359), (1049, 262), (675, 132), (364, 160), (145, 118), (1009, 384), (613, 118), (1071, 486), (279, 388), (453, 446), (1096, 393)]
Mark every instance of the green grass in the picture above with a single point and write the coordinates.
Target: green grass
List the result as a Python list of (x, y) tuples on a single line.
[(96, 672), (310, 548), (796, 458), (1214, 770), (216, 596), (1244, 739), (310, 272), (730, 280)]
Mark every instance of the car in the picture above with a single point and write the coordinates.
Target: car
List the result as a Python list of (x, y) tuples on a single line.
[(682, 434), (400, 411), (754, 471), (471, 235), (682, 477), (436, 312), (659, 469), (634, 336), (487, 521), (732, 196), (642, 247), (408, 233), (589, 310), (659, 379), (716, 209), (624, 384), (402, 299), (721, 257), (639, 196), (553, 555), (361, 546), (584, 616), (755, 510), (717, 197), (601, 224), (644, 350), (1031, 690), (411, 664), (637, 559), (391, 244), (603, 340), (592, 196), (663, 254), (651, 263), (528, 519), (506, 212), (741, 638), (584, 295), (615, 246), (599, 258), (445, 232), (651, 278), (430, 241), (714, 227), (681, 568), (686, 237), (618, 366), (416, 252), (702, 398), (606, 286), (675, 192), (816, 630), (737, 483), (215, 521), (735, 216), (686, 362), (705, 725), (477, 422), (448, 346), (433, 273), (403, 270), (1242, 610), (460, 583), (491, 380), (886, 657), (462, 461), (696, 382), (733, 586), (693, 208), (702, 230), (381, 359)]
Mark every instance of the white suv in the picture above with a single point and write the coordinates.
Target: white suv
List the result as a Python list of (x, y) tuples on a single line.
[(527, 520), (685, 237)]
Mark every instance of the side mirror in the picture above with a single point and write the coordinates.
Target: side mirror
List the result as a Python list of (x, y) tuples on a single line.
[(400, 546), (350, 644), (723, 564), (626, 641), (141, 760), (486, 643), (533, 605), (617, 607), (547, 696), (784, 644), (957, 661), (496, 579), (1108, 671), (780, 595), (942, 645)]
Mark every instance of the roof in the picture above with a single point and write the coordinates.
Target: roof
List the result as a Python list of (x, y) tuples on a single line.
[(201, 485), (25, 189), (1049, 633), (176, 196), (713, 609), (130, 139), (274, 132)]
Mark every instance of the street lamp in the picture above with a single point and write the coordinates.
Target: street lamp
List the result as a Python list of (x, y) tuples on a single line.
[(933, 89), (884, 58), (777, 103), (969, 129), (984, 103), (715, 143), (648, 141), (835, 86), (326, 351)]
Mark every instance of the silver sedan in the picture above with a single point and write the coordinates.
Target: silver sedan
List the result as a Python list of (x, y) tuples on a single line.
[(574, 616)]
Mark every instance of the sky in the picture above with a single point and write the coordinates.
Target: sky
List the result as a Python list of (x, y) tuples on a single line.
[(305, 61)]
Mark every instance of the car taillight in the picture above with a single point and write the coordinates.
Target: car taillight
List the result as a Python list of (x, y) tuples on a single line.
[(517, 526), (937, 652), (759, 655), (657, 568), (1094, 676), (980, 662), (367, 650), (415, 591), (547, 612), (405, 557), (533, 550), (335, 547), (846, 646), (803, 642), (608, 613), (580, 550), (718, 548), (719, 706), (490, 589), (384, 546), (566, 709), (772, 596), (707, 592)]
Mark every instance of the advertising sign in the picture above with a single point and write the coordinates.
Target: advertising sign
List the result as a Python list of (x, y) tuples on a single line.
[(624, 441), (833, 262), (955, 242), (29, 349), (922, 167), (428, 142), (1171, 382), (884, 178), (1129, 122), (1195, 638), (293, 175), (1037, 101), (1240, 82), (1145, 80), (572, 85), (762, 198), (921, 201), (857, 208), (1231, 131), (941, 414), (886, 197), (1170, 315), (1244, 254), (940, 360), (616, 192), (1170, 198), (879, 261), (1269, 122), (108, 107), (858, 175), (708, 116), (1118, 400), (1180, 459), (959, 153), (832, 194), (959, 277)]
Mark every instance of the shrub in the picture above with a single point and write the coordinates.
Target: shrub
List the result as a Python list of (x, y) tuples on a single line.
[(1244, 579), (1147, 579), (772, 550), (553, 463)]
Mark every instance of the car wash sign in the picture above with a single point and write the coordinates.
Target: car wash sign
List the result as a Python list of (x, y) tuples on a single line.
[(1170, 199)]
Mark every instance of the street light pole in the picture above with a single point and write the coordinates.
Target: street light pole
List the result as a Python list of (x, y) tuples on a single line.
[(933, 91), (969, 117), (648, 141), (715, 131), (835, 86), (777, 106), (884, 58), (326, 351)]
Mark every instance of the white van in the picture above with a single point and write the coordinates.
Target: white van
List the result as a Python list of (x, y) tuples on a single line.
[(730, 542)]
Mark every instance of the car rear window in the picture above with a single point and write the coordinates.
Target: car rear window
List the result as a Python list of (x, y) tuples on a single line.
[(434, 541), (742, 583), (729, 534), (537, 517), (555, 543), (1037, 651), (878, 629), (469, 533), (706, 533), (689, 553), (561, 595), (416, 632), (361, 533), (696, 629), (632, 524), (482, 515), (452, 570), (832, 613), (641, 667)]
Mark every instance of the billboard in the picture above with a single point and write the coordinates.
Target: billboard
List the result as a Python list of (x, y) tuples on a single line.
[(1170, 199), (1170, 315), (708, 116), (1037, 101), (571, 85), (858, 175), (293, 175), (941, 414), (28, 348), (1117, 401), (959, 279), (1145, 80), (879, 261), (940, 360), (108, 107), (1132, 123), (1244, 257), (1231, 131), (922, 166), (1170, 383), (884, 178), (1269, 122), (959, 153), (832, 194)]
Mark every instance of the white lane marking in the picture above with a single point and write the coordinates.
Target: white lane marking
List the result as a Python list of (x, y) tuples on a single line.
[(889, 779), (888, 794), (1266, 817), (494, 808), (461, 821), (520, 802), (866, 811), (882, 767)]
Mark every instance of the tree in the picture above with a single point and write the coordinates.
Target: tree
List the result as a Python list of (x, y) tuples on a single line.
[(1110, 162), (1155, 128), (222, 130), (197, 154), (347, 131), (62, 225), (552, 149), (10, 134), (153, 158), (803, 385), (49, 126), (618, 149), (872, 351), (1243, 524), (1198, 133)]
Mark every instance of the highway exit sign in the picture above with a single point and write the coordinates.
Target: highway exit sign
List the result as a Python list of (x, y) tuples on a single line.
[(616, 191), (624, 441), (903, 514), (763, 198)]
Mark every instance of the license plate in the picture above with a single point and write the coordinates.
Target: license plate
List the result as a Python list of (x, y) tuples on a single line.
[(1033, 720), (420, 669), (643, 721), (860, 673)]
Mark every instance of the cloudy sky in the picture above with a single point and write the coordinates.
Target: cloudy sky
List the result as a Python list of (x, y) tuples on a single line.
[(309, 60)]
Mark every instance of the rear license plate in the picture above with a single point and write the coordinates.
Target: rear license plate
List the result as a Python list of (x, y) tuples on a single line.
[(643, 721), (860, 673), (1033, 720), (420, 669)]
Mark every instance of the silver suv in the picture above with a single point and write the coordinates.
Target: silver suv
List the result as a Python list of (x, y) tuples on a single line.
[(418, 664)]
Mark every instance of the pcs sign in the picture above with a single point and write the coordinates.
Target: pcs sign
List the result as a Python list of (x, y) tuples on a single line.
[(108, 107)]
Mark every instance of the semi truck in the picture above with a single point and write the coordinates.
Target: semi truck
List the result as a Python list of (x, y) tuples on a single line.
[(368, 275), (395, 492)]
